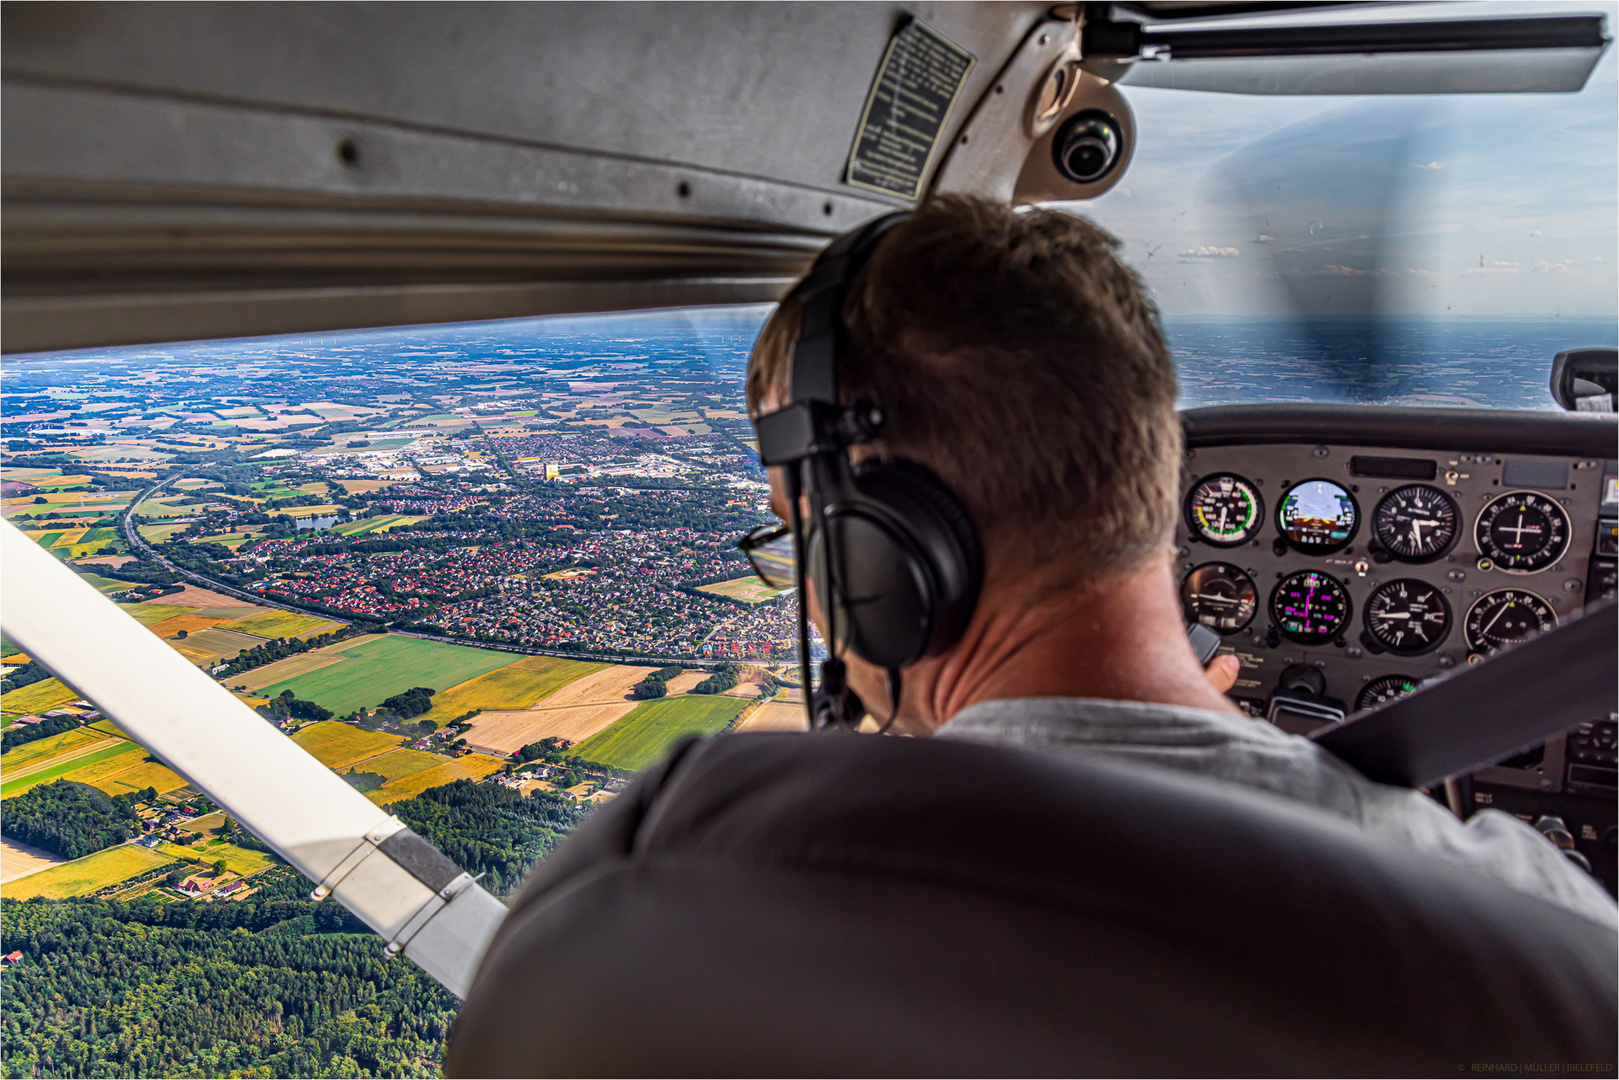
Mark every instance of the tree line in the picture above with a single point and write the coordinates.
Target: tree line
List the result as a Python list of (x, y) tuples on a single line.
[(71, 819)]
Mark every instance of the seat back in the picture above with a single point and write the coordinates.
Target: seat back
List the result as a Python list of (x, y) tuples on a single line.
[(781, 904)]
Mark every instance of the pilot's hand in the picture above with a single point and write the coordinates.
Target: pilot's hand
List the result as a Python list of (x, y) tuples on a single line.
[(1222, 672)]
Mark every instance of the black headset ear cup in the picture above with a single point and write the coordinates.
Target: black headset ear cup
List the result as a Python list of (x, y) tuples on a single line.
[(911, 565)]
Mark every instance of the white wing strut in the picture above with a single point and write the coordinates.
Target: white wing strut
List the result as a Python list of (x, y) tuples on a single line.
[(401, 886)]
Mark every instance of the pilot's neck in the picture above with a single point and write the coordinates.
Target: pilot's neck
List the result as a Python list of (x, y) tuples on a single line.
[(1125, 640)]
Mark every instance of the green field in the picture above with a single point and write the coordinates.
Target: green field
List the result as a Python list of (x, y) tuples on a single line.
[(20, 784), (337, 745), (38, 697), (374, 524), (373, 670), (85, 875), (645, 734), (107, 584), (515, 686)]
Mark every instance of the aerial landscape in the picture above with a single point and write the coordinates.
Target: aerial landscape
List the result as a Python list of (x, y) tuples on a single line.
[(485, 573)]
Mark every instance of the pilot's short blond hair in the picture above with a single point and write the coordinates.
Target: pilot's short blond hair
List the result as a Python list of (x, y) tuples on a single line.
[(1021, 361)]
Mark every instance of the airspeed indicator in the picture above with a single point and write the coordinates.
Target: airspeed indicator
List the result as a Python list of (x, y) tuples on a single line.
[(1224, 510)]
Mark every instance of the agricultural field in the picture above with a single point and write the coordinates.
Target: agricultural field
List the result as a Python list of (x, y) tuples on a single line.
[(283, 624), (750, 590), (338, 746), (138, 777), (38, 697), (382, 666), (211, 646), (238, 860), (18, 859), (515, 686), (369, 525), (646, 734), (156, 534), (471, 767), (503, 732), (35, 754), (775, 716), (85, 875), (72, 764), (106, 584), (150, 614), (398, 764)]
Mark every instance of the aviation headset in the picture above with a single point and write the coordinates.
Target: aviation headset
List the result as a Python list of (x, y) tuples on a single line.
[(892, 553)]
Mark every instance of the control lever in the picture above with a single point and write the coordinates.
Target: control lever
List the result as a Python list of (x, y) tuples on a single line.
[(1300, 705), (1205, 642)]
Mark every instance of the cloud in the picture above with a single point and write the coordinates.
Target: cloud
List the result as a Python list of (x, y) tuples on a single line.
[(1496, 268), (1536, 232), (1263, 239), (1206, 252), (1434, 165), (1334, 270), (1544, 267)]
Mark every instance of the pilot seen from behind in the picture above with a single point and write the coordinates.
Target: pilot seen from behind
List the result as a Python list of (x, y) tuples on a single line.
[(1015, 357), (1086, 861)]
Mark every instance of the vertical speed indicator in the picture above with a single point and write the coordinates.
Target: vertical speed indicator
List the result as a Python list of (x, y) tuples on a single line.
[(1224, 510)]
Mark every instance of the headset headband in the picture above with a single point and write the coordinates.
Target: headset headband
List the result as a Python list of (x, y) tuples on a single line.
[(821, 337)]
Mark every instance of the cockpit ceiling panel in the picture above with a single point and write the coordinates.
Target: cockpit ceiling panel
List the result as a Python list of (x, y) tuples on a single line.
[(186, 170)]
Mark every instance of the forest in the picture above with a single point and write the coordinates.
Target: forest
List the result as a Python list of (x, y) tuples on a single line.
[(271, 985), (491, 830), (71, 819), (264, 987)]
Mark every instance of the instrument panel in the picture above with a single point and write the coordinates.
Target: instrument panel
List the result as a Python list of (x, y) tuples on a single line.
[(1346, 554), (1372, 577)]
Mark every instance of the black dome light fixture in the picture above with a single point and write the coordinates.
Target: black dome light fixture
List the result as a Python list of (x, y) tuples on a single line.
[(1088, 146)]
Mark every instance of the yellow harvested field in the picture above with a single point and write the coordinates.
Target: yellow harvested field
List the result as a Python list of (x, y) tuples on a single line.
[(515, 686), (18, 859), (214, 645), (609, 684), (37, 697), (290, 668), (85, 875), (683, 682), (337, 746), (237, 860), (143, 775), (398, 764), (775, 716), (471, 767), (504, 732), (281, 624), (194, 596), (190, 622), (25, 758)]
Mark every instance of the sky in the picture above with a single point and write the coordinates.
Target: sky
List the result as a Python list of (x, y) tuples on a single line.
[(1478, 204)]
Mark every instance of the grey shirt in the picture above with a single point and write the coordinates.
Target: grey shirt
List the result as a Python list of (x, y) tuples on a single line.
[(1258, 755)]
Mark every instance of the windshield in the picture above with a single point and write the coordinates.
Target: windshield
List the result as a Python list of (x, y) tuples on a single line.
[(1396, 250)]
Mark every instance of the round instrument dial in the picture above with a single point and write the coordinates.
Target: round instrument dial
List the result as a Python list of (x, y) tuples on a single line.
[(1416, 523), (1523, 531), (1217, 594), (1384, 690), (1506, 616), (1318, 517), (1408, 616), (1310, 607), (1224, 510)]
